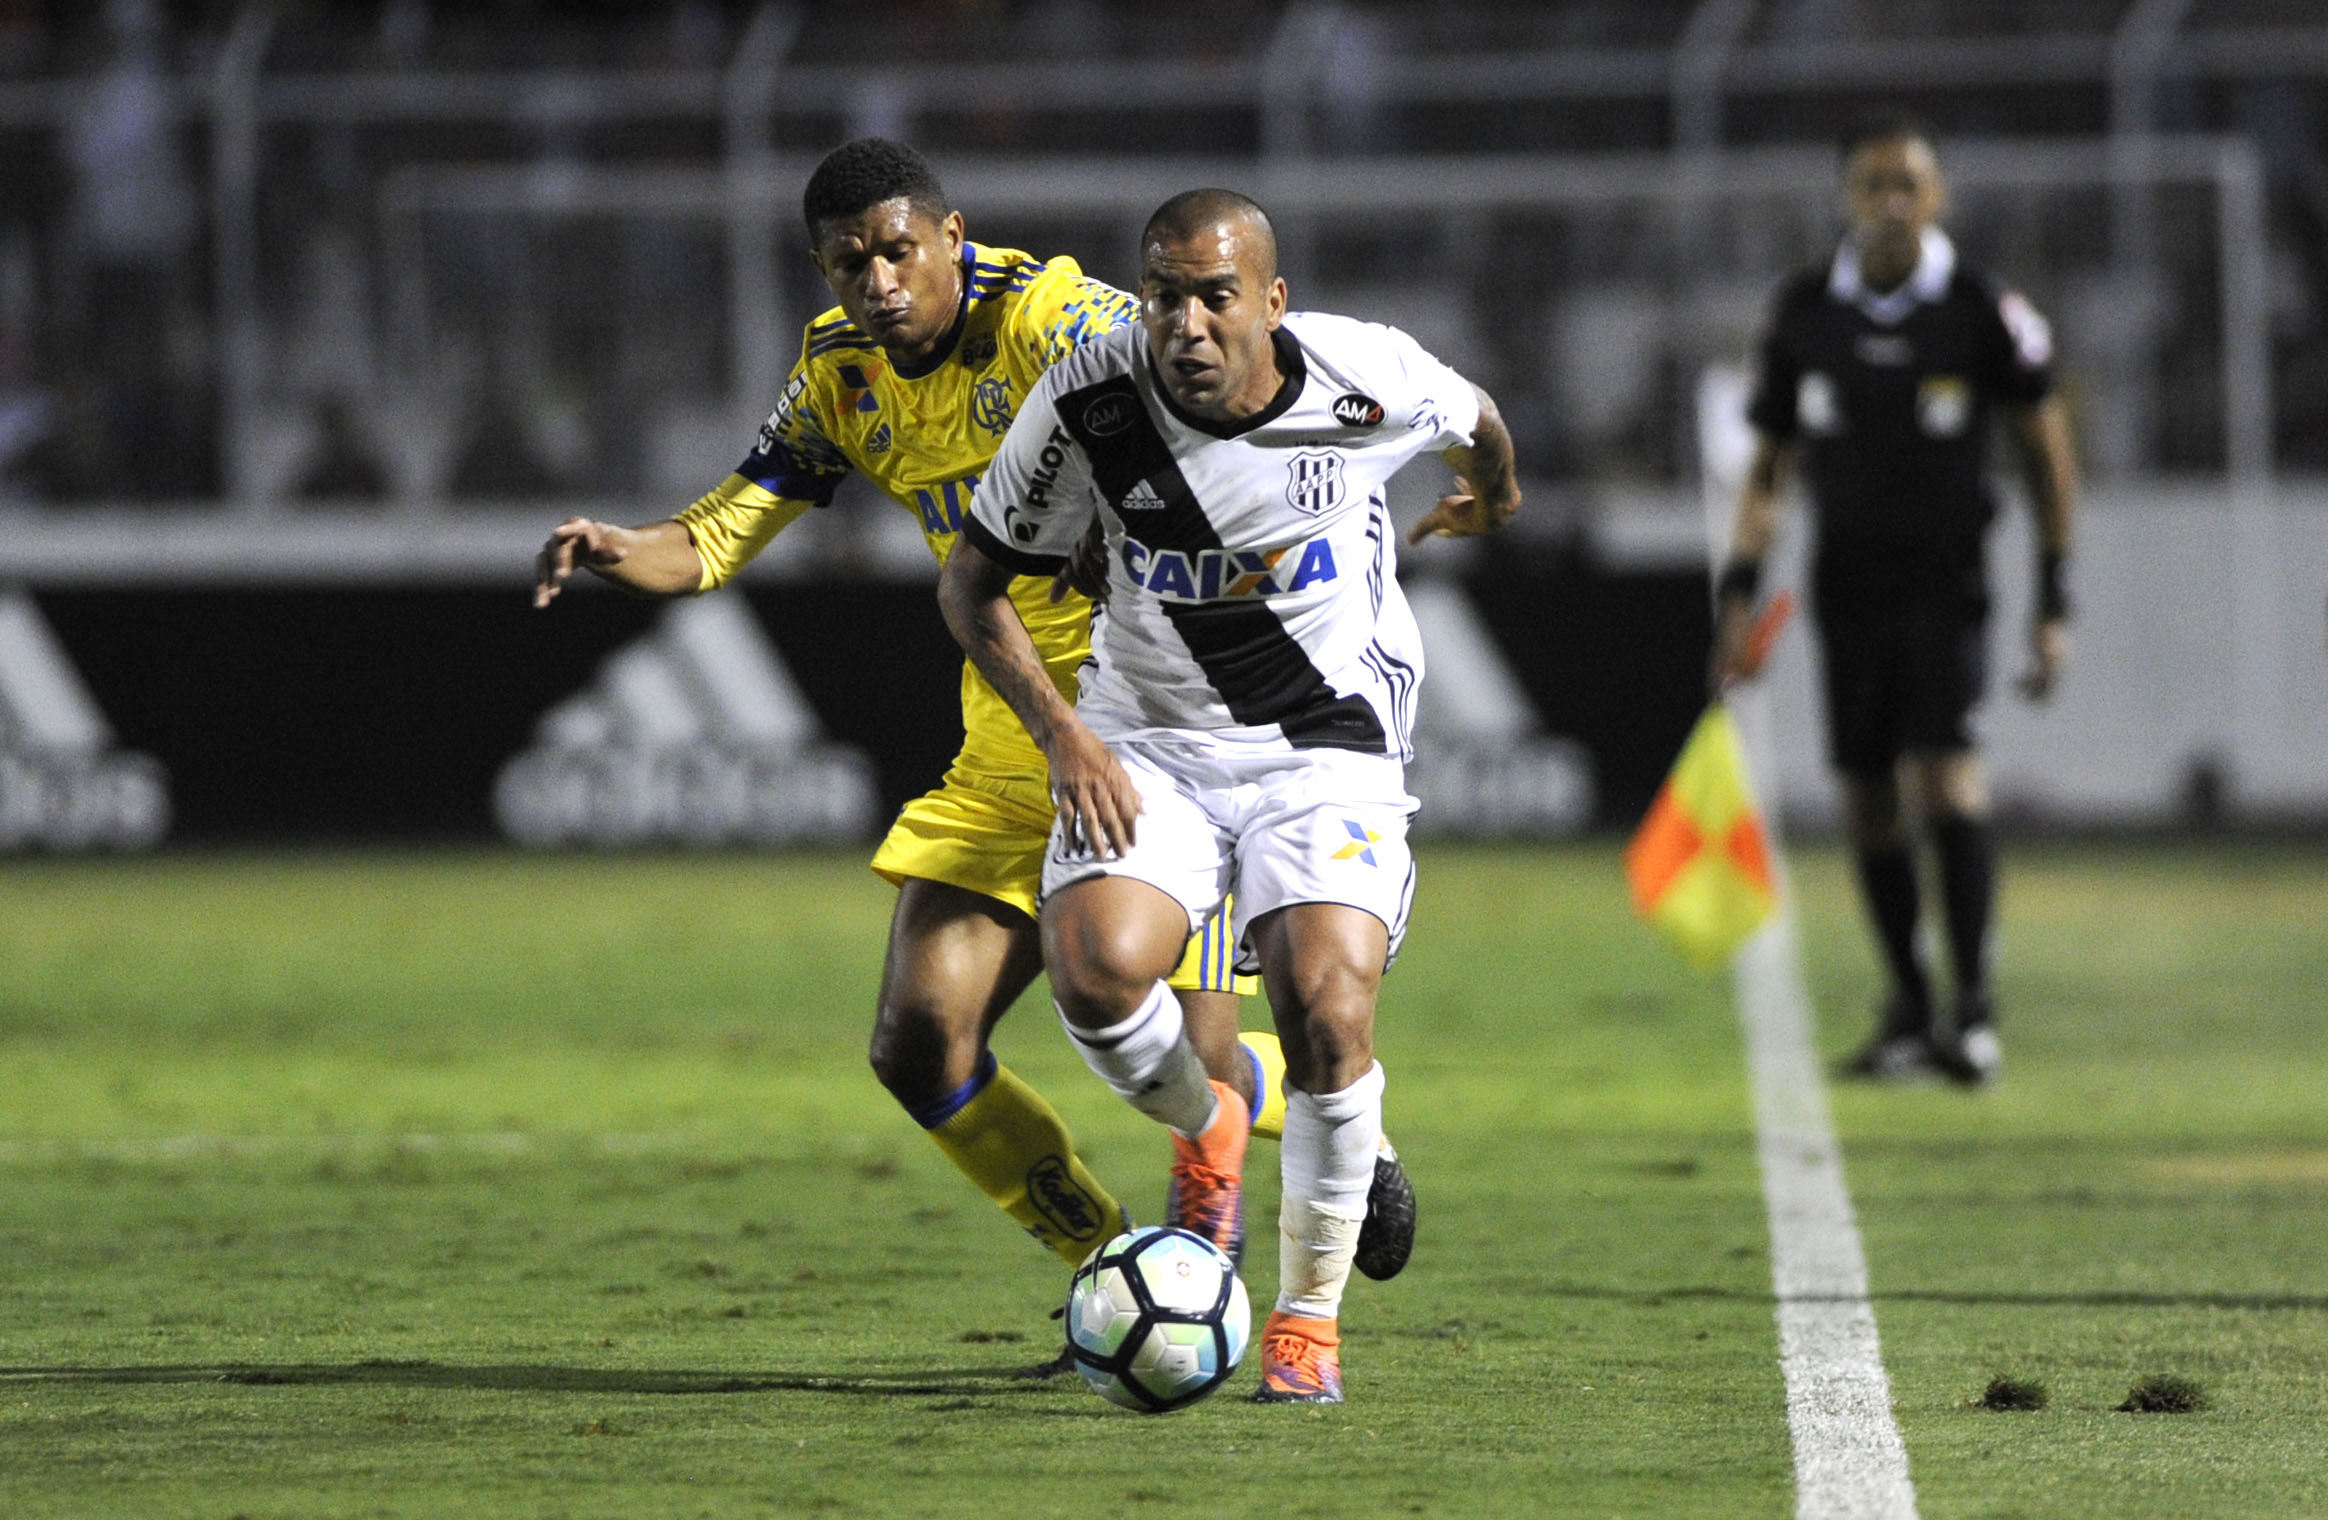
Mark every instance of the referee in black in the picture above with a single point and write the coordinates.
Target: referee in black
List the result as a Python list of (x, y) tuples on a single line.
[(1879, 375)]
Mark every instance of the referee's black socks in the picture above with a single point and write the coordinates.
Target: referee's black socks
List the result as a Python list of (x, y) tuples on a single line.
[(1887, 876), (1968, 888)]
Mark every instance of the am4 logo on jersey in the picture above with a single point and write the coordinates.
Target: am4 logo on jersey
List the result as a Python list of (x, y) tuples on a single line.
[(1353, 410)]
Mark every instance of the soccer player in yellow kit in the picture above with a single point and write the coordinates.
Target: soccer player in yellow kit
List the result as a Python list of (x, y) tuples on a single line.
[(913, 380)]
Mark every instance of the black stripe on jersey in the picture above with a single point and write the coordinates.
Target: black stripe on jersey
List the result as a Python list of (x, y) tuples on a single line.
[(1121, 440), (1260, 670), (1378, 529), (1012, 558), (847, 337), (1398, 678)]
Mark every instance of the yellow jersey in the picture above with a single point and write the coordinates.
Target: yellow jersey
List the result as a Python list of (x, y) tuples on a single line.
[(924, 434)]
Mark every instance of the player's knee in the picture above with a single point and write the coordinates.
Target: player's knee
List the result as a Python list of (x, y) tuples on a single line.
[(1101, 968), (1335, 1006), (911, 1040)]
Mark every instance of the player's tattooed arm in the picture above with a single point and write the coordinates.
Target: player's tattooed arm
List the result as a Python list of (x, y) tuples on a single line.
[(1096, 800), (659, 559), (1489, 485)]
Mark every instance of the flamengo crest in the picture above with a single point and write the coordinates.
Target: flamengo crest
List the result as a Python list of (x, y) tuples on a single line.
[(1314, 483)]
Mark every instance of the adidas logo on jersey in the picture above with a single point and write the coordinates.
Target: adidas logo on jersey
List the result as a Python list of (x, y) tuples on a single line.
[(1140, 499), (63, 784), (693, 734)]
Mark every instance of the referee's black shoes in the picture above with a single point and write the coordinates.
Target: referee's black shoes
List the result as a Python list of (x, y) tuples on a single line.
[(1974, 1055), (1902, 1050)]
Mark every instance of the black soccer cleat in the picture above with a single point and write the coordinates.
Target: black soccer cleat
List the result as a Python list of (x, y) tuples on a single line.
[(1387, 1238), (1902, 1049), (1973, 1057), (1893, 1058)]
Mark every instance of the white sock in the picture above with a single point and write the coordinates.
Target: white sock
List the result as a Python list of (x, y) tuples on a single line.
[(1148, 1061), (1328, 1158)]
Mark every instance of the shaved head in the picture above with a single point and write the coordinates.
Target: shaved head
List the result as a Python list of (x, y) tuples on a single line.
[(1194, 213), (1210, 299)]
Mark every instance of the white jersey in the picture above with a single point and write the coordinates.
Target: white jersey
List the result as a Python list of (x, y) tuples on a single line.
[(1252, 591)]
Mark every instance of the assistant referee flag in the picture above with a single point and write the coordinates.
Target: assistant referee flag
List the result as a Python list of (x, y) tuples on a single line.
[(1700, 863)]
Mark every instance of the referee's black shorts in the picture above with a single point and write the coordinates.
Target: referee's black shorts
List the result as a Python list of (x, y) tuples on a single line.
[(1902, 678)]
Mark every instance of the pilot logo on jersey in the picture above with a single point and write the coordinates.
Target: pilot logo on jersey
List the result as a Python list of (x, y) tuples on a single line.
[(1353, 410), (1314, 481)]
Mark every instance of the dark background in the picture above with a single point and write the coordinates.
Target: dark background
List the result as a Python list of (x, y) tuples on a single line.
[(330, 715)]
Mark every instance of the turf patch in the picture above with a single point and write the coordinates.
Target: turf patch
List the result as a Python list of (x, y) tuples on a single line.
[(2009, 1393), (2163, 1393)]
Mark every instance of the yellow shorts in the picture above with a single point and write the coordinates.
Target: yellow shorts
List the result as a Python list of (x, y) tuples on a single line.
[(986, 833)]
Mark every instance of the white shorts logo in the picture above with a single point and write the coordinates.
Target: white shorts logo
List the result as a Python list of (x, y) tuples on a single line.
[(1314, 483)]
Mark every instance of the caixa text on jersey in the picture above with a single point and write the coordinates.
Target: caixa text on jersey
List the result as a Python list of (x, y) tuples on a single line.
[(1211, 574)]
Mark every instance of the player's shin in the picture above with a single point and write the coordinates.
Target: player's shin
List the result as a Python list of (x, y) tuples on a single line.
[(1150, 1064), (1005, 1138), (1329, 1148)]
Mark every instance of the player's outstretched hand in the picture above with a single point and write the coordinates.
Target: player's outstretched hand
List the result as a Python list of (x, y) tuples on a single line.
[(1086, 568), (576, 542), (1096, 800), (1462, 515), (2048, 653)]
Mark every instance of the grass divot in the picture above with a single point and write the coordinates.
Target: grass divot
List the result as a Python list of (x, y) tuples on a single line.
[(2009, 1393), (2163, 1393)]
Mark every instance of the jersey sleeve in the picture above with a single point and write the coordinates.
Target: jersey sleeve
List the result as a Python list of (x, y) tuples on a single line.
[(1439, 401), (793, 466), (1065, 309), (1778, 377), (1036, 498), (733, 522), (795, 456), (2023, 373)]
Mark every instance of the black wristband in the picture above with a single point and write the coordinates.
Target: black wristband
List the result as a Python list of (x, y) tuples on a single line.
[(1740, 577), (2052, 587)]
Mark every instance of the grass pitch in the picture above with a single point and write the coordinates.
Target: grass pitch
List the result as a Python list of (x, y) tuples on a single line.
[(489, 1185)]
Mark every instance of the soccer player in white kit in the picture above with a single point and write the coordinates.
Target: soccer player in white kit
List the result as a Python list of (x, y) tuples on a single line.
[(1245, 719)]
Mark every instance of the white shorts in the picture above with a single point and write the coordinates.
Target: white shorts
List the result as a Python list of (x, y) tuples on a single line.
[(1273, 826)]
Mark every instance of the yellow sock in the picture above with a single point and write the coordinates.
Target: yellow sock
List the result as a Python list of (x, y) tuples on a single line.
[(1015, 1147), (1269, 1088)]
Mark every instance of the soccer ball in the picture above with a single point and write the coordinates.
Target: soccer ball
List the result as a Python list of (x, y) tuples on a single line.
[(1157, 1319)]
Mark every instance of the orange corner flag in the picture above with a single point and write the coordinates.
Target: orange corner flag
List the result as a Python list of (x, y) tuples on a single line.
[(1700, 863)]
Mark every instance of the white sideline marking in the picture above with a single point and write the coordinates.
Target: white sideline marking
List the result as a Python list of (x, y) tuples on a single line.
[(1849, 1461)]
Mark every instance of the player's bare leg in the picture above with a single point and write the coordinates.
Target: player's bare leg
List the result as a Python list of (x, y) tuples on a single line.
[(1109, 942), (1322, 964), (1956, 807), (1213, 1020), (957, 960)]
